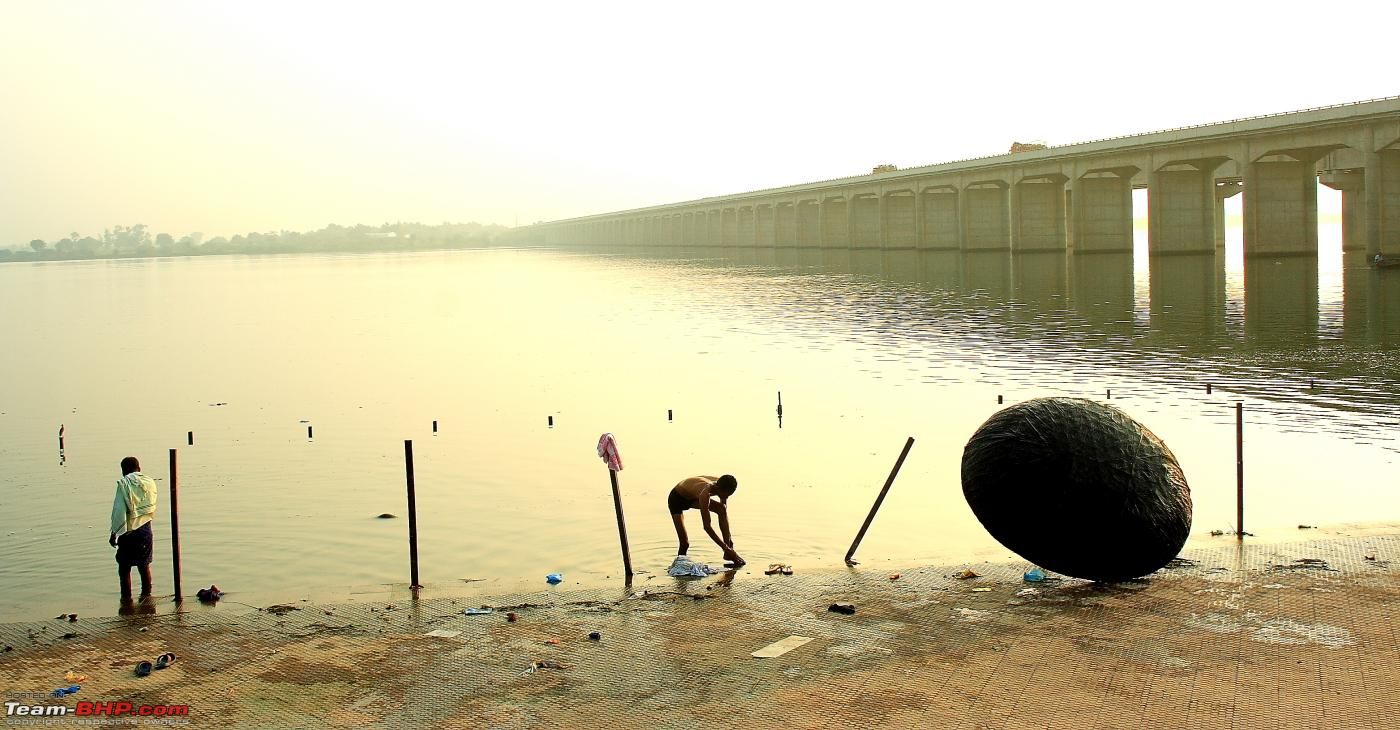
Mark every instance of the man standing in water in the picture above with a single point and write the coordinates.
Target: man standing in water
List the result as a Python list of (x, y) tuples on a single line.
[(707, 494), (132, 511)]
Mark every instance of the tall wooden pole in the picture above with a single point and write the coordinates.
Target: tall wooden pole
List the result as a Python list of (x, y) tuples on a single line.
[(621, 524), (412, 516), (175, 525), (876, 507), (1239, 467)]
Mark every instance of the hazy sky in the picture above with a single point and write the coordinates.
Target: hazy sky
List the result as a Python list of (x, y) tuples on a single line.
[(231, 117)]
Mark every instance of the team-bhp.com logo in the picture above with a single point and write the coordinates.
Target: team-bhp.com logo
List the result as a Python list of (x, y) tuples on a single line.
[(96, 709)]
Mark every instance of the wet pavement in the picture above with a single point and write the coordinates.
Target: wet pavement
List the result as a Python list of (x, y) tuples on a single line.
[(1295, 635)]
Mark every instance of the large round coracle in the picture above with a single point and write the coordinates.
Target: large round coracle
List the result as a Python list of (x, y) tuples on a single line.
[(1077, 487)]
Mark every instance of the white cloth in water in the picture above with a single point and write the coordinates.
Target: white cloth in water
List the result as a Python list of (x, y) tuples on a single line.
[(682, 567)]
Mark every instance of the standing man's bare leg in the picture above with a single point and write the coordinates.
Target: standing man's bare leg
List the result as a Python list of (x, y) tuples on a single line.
[(145, 571), (124, 576)]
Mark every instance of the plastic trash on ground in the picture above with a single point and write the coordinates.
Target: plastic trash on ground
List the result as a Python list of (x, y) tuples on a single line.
[(1034, 575), (554, 578)]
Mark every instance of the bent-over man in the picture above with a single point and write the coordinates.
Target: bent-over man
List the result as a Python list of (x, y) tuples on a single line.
[(707, 494)]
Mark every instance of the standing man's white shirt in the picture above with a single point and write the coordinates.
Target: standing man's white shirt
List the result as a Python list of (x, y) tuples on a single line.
[(135, 503)]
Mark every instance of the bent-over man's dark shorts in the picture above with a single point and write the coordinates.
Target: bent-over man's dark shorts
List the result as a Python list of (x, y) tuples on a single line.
[(677, 502), (134, 548)]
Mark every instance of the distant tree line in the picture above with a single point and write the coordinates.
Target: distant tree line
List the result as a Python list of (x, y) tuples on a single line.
[(137, 242)]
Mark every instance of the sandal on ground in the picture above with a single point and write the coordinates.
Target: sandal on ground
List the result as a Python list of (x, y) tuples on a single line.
[(143, 669), (165, 660)]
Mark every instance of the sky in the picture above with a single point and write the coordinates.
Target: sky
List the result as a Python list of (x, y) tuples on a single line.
[(227, 117)]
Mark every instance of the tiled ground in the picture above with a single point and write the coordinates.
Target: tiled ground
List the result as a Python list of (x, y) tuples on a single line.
[(1235, 640)]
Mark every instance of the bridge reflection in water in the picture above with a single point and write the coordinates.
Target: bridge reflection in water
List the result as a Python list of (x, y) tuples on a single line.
[(1252, 326)]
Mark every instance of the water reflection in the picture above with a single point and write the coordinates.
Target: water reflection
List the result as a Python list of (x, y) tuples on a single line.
[(1187, 300), (1083, 310)]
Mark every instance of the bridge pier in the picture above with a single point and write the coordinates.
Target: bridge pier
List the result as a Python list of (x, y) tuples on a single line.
[(1181, 207), (863, 216), (898, 219), (835, 223), (941, 221), (986, 216), (763, 231), (1102, 205), (1280, 203), (1383, 202), (785, 224), (1038, 214), (809, 223), (745, 235)]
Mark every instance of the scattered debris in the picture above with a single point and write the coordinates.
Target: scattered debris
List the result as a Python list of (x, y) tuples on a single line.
[(657, 595), (477, 611), (282, 609), (70, 635), (981, 590), (780, 647), (511, 616), (895, 576), (967, 574), (209, 595), (552, 642), (843, 608), (443, 633), (1216, 533), (73, 618), (594, 636), (542, 664), (1307, 527), (1181, 563), (1028, 592), (387, 516), (1304, 564)]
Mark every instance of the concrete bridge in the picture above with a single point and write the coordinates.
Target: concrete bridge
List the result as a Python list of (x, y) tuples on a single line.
[(1072, 198)]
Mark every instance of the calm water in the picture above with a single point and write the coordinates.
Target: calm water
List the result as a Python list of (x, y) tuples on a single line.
[(867, 348)]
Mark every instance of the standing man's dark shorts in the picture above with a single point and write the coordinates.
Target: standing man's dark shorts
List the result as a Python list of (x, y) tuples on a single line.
[(677, 502), (134, 548)]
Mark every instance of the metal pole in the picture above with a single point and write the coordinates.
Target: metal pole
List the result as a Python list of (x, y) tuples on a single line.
[(412, 516), (1239, 467), (621, 524), (175, 525), (876, 507)]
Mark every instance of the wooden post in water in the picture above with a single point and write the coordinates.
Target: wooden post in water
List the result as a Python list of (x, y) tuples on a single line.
[(308, 432), (1108, 394), (876, 507), (1207, 388), (998, 400), (175, 525), (668, 414), (189, 438), (412, 516), (1239, 468), (551, 421), (434, 426), (621, 525)]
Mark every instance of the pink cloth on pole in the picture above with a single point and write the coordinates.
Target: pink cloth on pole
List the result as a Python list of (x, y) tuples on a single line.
[(607, 449)]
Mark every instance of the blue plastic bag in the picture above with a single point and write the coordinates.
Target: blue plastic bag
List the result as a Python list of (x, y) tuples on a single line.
[(1034, 575), (554, 578)]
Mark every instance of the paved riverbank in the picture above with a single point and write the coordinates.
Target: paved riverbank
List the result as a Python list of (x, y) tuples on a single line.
[(1294, 635)]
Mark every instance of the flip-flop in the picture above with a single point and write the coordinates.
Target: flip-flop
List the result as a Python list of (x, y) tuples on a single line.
[(143, 669), (165, 660)]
